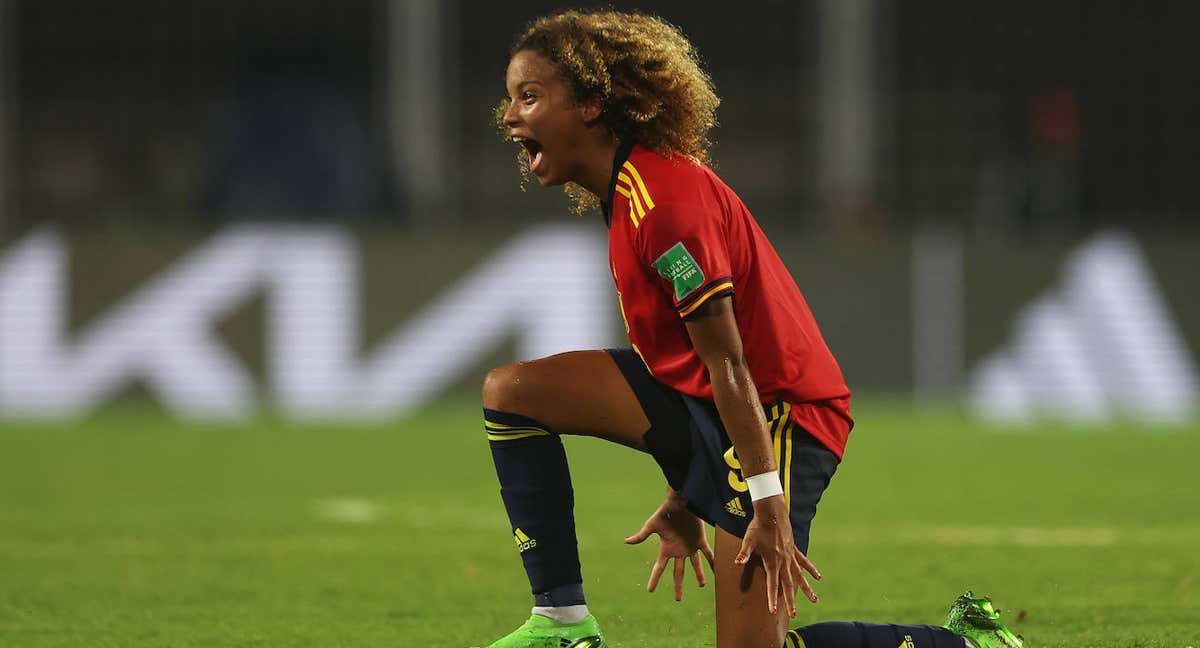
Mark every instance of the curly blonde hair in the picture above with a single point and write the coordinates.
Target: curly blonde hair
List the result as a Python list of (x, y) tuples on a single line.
[(647, 76)]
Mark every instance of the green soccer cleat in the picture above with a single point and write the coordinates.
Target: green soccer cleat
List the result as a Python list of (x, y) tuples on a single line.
[(544, 632), (976, 620)]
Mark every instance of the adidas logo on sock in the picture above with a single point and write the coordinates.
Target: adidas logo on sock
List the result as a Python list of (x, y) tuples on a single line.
[(734, 507), (524, 542)]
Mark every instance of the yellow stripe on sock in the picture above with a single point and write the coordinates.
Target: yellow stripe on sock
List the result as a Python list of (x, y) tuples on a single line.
[(514, 431), (514, 437), (503, 426)]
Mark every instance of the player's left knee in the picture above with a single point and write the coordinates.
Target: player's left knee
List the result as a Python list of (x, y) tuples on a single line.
[(502, 386)]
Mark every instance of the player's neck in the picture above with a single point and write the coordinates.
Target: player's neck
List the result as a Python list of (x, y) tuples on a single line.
[(596, 171)]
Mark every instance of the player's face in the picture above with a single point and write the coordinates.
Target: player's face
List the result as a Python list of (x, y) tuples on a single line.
[(545, 120)]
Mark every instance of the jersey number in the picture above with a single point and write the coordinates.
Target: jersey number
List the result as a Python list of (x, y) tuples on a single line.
[(736, 482), (735, 474)]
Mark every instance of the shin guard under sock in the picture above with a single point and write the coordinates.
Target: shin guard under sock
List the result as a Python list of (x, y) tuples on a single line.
[(535, 485)]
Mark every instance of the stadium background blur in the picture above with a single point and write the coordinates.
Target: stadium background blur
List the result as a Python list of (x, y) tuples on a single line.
[(253, 216)]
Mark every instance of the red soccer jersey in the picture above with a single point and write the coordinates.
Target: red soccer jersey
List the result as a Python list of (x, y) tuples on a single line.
[(678, 237)]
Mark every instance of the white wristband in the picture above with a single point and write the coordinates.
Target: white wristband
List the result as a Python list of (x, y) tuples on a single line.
[(764, 485)]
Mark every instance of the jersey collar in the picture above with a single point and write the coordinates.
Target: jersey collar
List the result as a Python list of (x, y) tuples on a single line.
[(623, 152)]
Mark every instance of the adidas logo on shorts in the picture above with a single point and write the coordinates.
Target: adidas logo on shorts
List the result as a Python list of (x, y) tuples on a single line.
[(734, 507)]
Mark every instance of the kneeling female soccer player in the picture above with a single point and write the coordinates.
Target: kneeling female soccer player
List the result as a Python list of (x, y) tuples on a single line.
[(728, 383)]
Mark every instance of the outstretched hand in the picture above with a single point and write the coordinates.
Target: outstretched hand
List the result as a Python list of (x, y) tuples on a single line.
[(769, 536), (681, 539)]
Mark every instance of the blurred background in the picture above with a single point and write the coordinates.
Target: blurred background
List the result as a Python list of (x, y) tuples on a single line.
[(305, 205), (257, 257)]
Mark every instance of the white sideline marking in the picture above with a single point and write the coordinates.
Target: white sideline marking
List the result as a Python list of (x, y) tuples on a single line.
[(1022, 536), (347, 510), (959, 536)]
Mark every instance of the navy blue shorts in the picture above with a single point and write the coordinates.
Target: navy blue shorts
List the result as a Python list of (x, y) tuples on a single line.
[(689, 443)]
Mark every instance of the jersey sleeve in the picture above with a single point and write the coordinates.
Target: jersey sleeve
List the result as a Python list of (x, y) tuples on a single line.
[(688, 251)]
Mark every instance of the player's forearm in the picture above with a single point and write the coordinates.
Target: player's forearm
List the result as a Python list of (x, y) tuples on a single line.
[(741, 412), (718, 342)]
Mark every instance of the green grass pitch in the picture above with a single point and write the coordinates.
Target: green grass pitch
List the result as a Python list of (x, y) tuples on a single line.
[(130, 530)]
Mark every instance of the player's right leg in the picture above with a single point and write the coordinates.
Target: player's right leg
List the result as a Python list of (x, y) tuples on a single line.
[(972, 623), (836, 634), (742, 615), (527, 405)]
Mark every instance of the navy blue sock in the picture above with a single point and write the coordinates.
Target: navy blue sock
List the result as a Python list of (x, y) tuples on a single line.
[(840, 634), (535, 485)]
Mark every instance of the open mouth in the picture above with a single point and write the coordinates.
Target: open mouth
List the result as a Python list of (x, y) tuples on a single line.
[(533, 149)]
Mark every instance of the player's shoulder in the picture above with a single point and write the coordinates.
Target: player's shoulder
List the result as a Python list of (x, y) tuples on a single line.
[(661, 179)]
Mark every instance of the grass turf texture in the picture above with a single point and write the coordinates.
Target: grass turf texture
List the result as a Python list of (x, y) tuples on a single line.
[(132, 530)]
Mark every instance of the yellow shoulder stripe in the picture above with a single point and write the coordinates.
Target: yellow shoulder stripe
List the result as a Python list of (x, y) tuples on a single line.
[(641, 185), (636, 211), (633, 216)]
